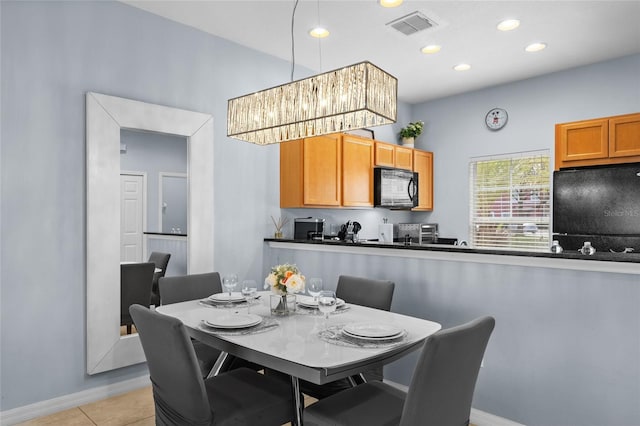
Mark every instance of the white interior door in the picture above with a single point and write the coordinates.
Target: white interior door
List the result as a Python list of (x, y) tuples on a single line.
[(132, 196)]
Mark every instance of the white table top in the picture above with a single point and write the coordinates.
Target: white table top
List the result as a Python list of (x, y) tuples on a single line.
[(294, 346)]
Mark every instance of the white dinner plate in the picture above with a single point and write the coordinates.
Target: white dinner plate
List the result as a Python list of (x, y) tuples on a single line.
[(374, 339), (233, 321), (224, 297), (372, 330), (308, 302)]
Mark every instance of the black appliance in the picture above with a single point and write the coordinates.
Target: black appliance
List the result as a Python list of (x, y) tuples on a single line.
[(308, 228), (597, 204), (395, 188)]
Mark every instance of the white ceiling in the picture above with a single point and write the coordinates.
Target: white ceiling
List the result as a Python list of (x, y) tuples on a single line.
[(577, 33)]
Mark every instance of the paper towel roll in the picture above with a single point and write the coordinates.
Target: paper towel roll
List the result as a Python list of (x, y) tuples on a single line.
[(385, 233)]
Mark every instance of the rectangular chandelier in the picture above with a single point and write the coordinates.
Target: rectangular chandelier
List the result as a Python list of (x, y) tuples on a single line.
[(354, 97)]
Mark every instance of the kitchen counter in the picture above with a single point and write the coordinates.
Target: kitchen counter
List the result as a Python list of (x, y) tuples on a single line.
[(600, 261)]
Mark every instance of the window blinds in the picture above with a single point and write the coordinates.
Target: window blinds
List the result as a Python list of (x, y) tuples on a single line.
[(510, 201)]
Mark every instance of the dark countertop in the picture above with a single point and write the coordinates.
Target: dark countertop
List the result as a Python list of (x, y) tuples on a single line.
[(165, 233), (598, 256)]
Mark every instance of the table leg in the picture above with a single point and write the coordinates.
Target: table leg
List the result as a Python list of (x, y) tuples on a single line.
[(219, 364), (298, 404)]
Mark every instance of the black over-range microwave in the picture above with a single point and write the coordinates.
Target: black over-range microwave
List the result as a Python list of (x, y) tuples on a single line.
[(395, 188)]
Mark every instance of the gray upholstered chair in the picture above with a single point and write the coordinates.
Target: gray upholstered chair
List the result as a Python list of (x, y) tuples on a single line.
[(135, 286), (161, 261), (194, 287), (440, 393), (188, 287), (366, 292), (183, 397)]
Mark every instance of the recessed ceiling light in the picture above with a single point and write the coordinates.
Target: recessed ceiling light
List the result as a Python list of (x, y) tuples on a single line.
[(462, 67), (432, 48), (536, 47), (390, 3), (508, 25), (319, 32)]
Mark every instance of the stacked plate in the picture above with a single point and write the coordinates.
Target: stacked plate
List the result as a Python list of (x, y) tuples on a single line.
[(234, 297), (309, 302), (372, 331), (233, 321)]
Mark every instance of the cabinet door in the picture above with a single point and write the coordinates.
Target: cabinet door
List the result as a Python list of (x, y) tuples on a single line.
[(423, 165), (624, 136), (404, 158), (357, 171), (582, 140), (385, 155), (321, 171), (291, 163)]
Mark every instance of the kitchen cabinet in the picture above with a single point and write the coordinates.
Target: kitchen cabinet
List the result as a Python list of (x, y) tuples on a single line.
[(608, 140), (357, 171), (389, 155), (311, 172), (423, 165)]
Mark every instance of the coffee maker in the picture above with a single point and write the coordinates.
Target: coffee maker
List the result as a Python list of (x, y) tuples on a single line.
[(308, 228)]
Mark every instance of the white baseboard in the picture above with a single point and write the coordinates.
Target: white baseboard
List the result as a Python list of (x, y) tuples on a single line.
[(50, 406), (478, 418)]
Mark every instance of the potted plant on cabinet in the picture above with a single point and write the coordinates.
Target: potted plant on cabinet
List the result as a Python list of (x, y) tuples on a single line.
[(410, 132)]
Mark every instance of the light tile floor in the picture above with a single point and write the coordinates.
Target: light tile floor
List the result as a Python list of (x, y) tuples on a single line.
[(132, 408)]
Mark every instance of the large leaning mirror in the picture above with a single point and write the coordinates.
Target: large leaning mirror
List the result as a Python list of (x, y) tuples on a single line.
[(106, 117)]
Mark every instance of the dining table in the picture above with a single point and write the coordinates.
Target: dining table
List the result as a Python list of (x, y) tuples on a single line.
[(304, 344)]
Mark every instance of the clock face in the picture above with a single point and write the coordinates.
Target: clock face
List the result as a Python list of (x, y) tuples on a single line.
[(496, 118)]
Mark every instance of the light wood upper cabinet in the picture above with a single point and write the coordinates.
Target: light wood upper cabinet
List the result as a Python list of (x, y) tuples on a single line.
[(609, 140), (423, 165), (385, 155), (389, 155), (357, 171), (337, 171), (311, 172), (624, 136)]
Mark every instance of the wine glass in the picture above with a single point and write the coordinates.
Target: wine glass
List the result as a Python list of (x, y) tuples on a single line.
[(229, 282), (326, 304), (249, 291), (314, 287)]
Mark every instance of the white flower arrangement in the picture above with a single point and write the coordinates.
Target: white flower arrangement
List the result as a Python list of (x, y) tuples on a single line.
[(285, 279)]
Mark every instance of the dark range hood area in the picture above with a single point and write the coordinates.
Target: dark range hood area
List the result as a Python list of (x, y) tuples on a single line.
[(597, 204)]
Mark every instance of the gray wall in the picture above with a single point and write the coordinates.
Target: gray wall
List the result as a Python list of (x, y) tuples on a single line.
[(53, 52), (455, 129), (154, 153), (566, 347)]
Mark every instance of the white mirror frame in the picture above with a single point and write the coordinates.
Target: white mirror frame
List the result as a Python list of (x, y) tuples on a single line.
[(106, 116)]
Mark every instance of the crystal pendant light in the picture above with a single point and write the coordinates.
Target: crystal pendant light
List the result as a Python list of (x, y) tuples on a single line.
[(354, 97)]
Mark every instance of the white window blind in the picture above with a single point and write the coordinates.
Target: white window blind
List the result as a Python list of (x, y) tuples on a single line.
[(510, 201)]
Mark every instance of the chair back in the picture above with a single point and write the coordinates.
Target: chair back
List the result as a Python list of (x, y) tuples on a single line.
[(178, 388), (366, 292), (161, 261), (445, 377), (135, 287), (189, 287)]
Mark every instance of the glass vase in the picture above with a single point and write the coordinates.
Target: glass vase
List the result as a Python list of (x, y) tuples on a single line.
[(282, 305)]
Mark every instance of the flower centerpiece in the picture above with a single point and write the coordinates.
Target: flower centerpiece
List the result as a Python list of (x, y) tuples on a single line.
[(285, 281), (412, 131)]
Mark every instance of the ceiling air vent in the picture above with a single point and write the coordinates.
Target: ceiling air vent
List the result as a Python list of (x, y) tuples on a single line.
[(412, 23)]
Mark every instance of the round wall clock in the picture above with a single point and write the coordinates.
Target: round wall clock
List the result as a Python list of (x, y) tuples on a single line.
[(496, 119)]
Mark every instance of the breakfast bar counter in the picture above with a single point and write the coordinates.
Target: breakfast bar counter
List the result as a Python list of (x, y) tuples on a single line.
[(628, 263)]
